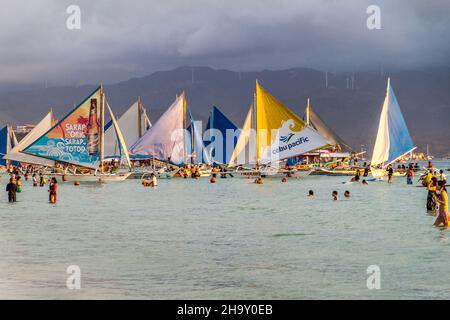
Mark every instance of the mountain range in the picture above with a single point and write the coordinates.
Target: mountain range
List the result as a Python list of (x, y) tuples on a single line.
[(350, 103)]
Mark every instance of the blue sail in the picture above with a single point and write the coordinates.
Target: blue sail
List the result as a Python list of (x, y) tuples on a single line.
[(4, 136), (7, 142), (399, 138), (393, 138), (220, 123)]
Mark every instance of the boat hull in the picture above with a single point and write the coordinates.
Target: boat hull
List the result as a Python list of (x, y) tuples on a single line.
[(326, 172), (70, 177), (247, 174)]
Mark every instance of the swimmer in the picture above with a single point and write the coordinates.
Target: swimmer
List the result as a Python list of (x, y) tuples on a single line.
[(259, 180), (334, 194)]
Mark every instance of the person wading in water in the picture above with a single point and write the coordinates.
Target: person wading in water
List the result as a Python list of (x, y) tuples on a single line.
[(11, 188), (53, 189), (390, 172), (443, 217), (409, 175), (431, 198)]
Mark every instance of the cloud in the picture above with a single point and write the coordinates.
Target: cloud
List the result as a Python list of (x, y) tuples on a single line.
[(121, 39)]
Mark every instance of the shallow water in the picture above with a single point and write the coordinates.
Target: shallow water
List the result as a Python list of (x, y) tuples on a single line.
[(229, 240)]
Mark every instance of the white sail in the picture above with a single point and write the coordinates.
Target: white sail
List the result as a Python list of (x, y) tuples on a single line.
[(393, 138), (381, 149), (165, 140), (245, 150), (15, 153), (14, 141), (131, 129), (123, 146)]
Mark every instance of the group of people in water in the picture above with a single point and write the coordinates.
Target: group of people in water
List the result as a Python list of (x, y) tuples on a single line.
[(433, 180), (14, 185), (437, 198), (334, 194)]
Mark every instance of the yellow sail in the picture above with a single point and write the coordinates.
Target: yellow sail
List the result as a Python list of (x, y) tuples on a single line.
[(281, 134), (270, 116)]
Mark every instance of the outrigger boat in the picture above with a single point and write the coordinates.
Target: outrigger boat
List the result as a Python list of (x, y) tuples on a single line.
[(393, 140), (334, 160), (78, 142), (167, 146), (133, 123), (271, 135)]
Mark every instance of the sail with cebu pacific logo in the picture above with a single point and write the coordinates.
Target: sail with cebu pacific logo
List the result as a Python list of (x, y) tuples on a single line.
[(281, 134)]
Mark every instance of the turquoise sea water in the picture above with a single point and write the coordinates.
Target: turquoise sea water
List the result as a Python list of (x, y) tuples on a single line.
[(229, 240)]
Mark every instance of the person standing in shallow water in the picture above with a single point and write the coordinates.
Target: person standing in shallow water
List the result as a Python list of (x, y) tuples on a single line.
[(11, 188), (53, 189), (431, 198), (443, 217), (19, 184), (390, 172), (42, 180), (409, 175)]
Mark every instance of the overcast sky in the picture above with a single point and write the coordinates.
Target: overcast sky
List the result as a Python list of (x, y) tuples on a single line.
[(128, 38)]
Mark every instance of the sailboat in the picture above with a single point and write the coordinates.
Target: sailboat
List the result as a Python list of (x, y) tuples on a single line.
[(220, 137), (312, 119), (337, 156), (133, 124), (16, 154), (8, 141), (279, 134), (77, 141), (165, 141), (393, 140)]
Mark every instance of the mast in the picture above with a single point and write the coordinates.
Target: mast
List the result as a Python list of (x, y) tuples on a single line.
[(185, 126), (192, 138), (307, 113), (255, 115), (102, 128), (139, 117)]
